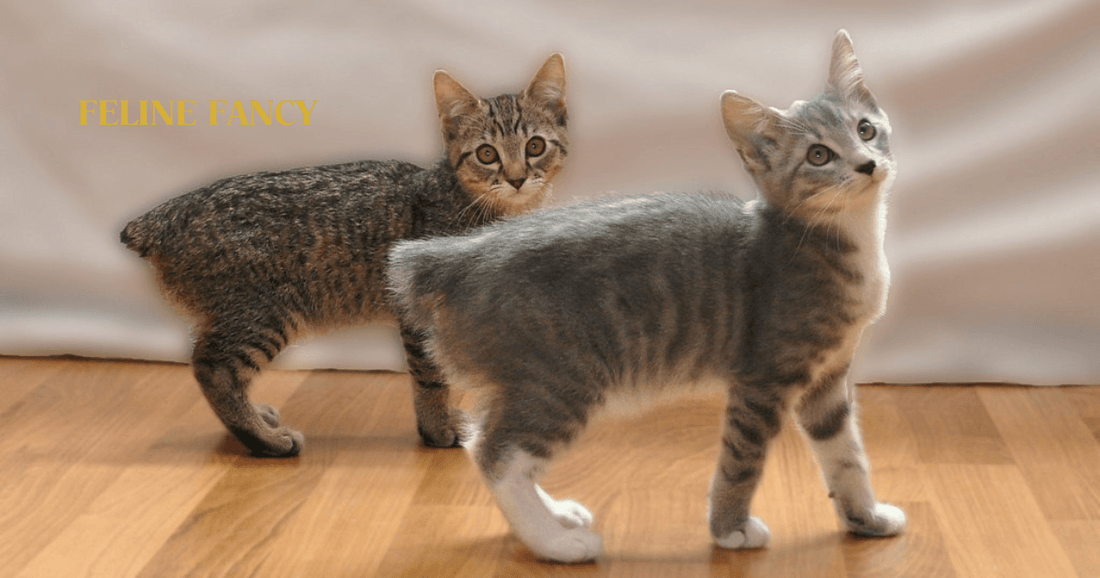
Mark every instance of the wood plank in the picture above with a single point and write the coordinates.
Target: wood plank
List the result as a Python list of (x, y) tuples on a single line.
[(991, 523), (437, 540), (65, 446), (951, 425), (120, 469), (1081, 542), (124, 527), (232, 531), (21, 375), (351, 518), (1056, 451), (1086, 400), (891, 444)]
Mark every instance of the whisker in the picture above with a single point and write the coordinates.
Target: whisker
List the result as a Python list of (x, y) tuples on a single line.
[(818, 216)]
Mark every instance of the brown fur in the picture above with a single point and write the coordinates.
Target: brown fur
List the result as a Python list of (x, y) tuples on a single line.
[(260, 259)]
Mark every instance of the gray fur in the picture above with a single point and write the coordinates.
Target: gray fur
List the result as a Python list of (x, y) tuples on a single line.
[(261, 259), (556, 315)]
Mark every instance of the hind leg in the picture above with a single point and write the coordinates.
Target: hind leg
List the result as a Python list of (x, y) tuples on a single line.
[(553, 530), (225, 361), (436, 421)]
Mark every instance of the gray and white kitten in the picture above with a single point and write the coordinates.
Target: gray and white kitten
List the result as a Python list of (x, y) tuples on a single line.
[(261, 259), (560, 315)]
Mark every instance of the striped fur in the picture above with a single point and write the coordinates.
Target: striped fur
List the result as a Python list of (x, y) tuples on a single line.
[(260, 260), (557, 316)]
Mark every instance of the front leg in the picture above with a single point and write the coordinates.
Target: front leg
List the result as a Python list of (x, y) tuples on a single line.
[(752, 420), (828, 419), (436, 421)]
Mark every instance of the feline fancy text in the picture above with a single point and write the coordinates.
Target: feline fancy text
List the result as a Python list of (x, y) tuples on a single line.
[(184, 113)]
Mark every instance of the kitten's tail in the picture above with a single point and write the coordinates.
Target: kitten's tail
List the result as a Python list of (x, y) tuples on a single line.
[(135, 235), (413, 274)]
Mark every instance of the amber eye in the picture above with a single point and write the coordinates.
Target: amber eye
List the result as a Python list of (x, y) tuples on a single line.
[(819, 155), (866, 130), (536, 146), (486, 154)]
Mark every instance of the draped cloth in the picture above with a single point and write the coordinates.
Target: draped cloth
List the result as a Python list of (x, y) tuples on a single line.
[(994, 223)]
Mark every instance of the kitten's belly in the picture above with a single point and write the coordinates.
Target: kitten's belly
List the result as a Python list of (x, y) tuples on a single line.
[(642, 396)]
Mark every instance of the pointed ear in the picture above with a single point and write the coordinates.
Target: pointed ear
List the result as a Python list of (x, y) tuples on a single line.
[(845, 75), (451, 98), (548, 86), (749, 124)]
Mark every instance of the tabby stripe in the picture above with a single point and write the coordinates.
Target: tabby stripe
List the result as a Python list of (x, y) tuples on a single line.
[(743, 475), (281, 332), (766, 412), (297, 303), (734, 450), (247, 361), (269, 348), (830, 425), (750, 433)]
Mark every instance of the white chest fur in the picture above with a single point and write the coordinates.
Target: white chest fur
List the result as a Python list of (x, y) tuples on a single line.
[(866, 227)]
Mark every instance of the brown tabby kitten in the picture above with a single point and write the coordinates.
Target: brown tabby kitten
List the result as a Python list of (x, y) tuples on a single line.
[(261, 259), (561, 315)]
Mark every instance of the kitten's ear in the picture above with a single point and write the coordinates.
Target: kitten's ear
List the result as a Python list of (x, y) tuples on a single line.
[(451, 98), (845, 75), (747, 121), (548, 86)]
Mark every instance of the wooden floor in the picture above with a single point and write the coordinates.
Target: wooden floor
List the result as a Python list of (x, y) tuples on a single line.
[(119, 469)]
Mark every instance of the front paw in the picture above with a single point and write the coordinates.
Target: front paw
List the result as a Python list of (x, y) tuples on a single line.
[(754, 534), (282, 442), (882, 520), (444, 432), (269, 414)]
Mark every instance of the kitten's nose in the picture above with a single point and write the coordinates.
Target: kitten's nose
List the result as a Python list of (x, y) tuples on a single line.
[(867, 168), (517, 183)]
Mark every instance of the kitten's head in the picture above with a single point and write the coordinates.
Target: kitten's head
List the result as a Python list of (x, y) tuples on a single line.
[(821, 156), (506, 150)]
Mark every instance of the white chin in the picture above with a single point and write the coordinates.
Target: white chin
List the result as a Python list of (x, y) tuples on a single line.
[(527, 192)]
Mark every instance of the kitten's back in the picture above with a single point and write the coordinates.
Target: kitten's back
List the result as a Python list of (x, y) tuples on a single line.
[(268, 202), (310, 241), (594, 275)]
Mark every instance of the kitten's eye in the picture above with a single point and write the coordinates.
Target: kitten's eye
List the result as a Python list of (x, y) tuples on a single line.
[(487, 154), (819, 155), (866, 130), (536, 146)]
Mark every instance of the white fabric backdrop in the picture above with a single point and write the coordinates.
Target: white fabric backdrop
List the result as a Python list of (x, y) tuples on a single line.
[(994, 220)]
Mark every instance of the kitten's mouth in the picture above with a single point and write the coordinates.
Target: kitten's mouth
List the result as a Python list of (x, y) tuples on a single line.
[(523, 199), (526, 191)]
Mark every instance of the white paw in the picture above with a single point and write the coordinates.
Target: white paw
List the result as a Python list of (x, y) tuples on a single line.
[(570, 514), (755, 534), (575, 545), (884, 520)]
